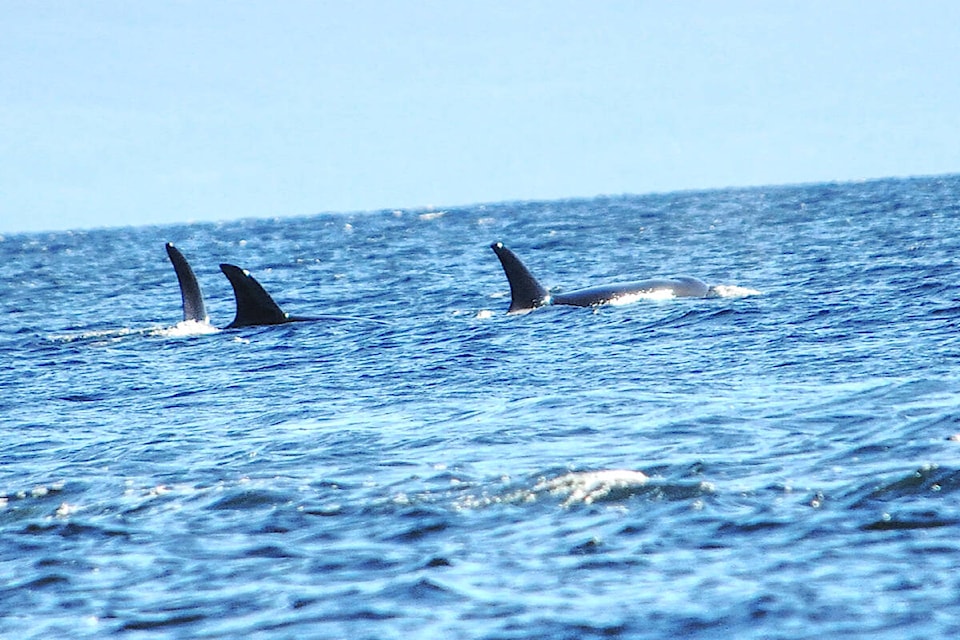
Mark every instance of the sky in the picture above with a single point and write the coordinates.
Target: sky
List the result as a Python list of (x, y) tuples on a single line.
[(117, 113)]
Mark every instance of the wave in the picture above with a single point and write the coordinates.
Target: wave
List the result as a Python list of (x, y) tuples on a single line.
[(591, 487), (182, 329)]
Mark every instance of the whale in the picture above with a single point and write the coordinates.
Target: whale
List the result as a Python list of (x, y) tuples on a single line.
[(527, 294), (190, 293), (254, 305)]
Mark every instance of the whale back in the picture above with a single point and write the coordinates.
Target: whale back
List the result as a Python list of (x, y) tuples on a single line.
[(526, 293), (254, 304), (679, 286), (190, 293)]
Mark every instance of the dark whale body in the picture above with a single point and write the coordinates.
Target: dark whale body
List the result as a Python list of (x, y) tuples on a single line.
[(526, 293)]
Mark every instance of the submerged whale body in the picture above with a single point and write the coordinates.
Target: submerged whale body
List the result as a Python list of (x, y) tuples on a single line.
[(526, 293), (254, 304)]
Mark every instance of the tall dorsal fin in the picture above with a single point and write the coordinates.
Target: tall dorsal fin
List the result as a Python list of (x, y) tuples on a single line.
[(254, 304), (525, 292), (190, 293)]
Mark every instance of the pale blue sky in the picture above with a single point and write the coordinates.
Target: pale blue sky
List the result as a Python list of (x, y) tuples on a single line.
[(131, 113)]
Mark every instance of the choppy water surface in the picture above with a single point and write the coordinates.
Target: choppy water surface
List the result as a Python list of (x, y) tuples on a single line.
[(776, 462)]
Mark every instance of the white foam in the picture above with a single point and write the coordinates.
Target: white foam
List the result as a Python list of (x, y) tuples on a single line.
[(102, 334), (583, 487), (589, 486), (185, 329), (733, 291)]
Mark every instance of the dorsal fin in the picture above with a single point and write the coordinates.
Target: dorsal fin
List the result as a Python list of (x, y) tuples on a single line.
[(525, 292), (190, 293), (254, 304)]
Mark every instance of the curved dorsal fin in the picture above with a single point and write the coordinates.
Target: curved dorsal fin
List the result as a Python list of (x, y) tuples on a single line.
[(525, 292), (254, 304), (190, 293)]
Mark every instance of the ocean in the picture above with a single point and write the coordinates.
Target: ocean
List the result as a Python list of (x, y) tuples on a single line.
[(781, 461)]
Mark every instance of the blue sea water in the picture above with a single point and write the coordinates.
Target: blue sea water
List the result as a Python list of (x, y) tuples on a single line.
[(778, 462)]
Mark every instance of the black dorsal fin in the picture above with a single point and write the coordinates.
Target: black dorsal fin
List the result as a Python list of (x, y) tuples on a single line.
[(525, 292), (192, 296), (254, 304)]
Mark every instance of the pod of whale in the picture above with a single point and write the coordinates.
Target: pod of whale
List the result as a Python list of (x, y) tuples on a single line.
[(255, 307), (527, 294)]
